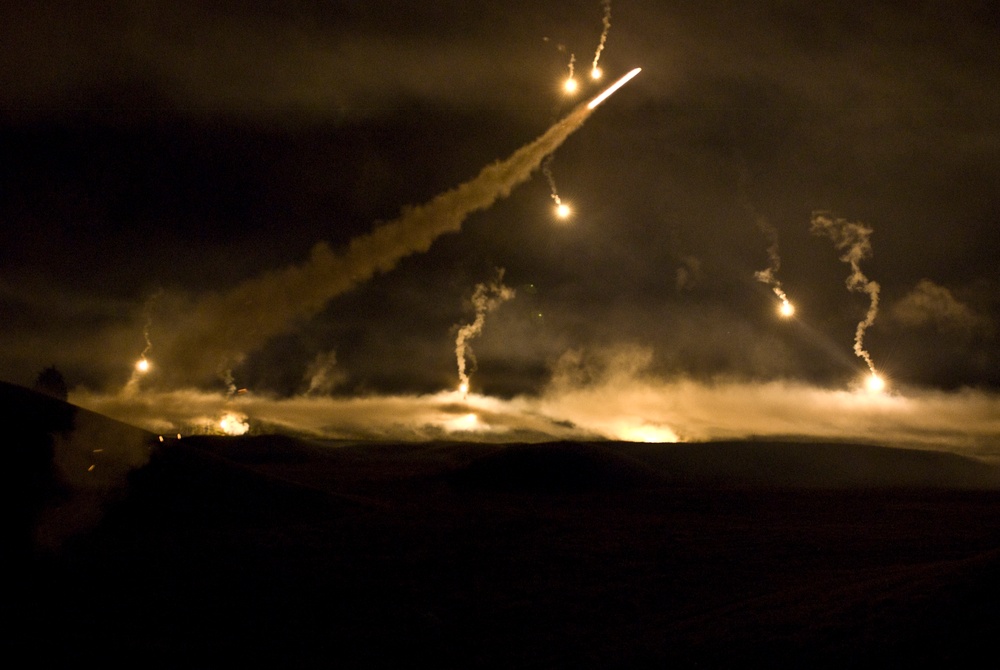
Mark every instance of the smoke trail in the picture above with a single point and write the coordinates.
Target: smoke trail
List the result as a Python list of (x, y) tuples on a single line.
[(852, 239), (485, 298), (142, 365), (217, 329), (606, 20), (562, 210), (769, 274), (323, 375), (570, 80)]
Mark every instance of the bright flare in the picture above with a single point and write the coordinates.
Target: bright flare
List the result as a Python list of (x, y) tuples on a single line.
[(142, 365), (563, 210), (234, 424), (875, 383), (787, 309), (570, 85), (596, 73), (611, 89), (463, 388)]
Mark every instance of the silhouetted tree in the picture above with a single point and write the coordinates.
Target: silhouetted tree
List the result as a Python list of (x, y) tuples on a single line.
[(51, 382)]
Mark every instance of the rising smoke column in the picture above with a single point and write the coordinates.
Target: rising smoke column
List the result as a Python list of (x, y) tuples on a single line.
[(595, 71), (852, 238), (212, 332), (485, 299)]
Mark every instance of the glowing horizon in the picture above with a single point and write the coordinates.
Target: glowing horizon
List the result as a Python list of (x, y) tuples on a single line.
[(622, 405)]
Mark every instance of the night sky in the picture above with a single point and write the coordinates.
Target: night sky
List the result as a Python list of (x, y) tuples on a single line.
[(169, 170)]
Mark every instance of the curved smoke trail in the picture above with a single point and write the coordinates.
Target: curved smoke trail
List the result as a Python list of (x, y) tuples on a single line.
[(606, 22), (485, 298), (852, 238)]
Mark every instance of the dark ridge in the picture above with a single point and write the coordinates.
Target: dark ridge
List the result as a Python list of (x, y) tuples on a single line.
[(811, 465), (24, 411), (257, 449), (186, 484), (59, 463), (557, 467)]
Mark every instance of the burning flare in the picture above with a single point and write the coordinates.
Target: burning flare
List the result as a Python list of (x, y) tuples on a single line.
[(875, 383), (562, 210), (570, 86)]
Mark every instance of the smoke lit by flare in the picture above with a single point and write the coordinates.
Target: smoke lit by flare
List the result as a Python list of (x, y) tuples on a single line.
[(570, 84), (233, 423), (852, 239), (595, 72), (619, 401), (769, 274), (562, 209), (486, 298)]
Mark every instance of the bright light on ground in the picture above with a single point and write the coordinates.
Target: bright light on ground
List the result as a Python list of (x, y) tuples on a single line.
[(234, 424)]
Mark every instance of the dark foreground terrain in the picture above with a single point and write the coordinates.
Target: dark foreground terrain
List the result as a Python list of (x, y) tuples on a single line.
[(273, 552)]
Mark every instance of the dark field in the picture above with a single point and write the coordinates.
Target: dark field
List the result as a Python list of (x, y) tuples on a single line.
[(269, 551)]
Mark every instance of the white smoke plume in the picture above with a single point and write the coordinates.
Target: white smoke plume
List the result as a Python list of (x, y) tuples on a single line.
[(852, 239), (606, 21), (143, 365), (322, 375), (547, 171), (212, 332), (768, 275), (485, 299)]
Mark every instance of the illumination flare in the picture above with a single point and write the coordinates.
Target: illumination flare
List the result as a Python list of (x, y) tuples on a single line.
[(570, 85), (769, 274), (562, 210)]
